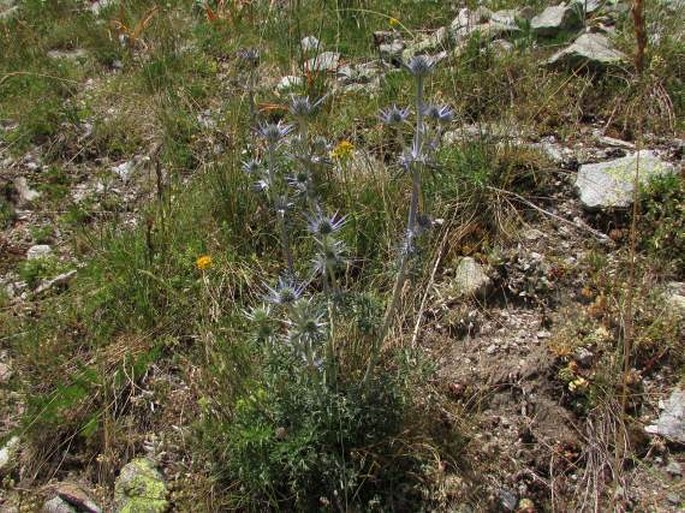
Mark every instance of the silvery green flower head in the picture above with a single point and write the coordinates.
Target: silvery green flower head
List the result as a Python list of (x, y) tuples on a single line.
[(330, 255), (321, 224), (284, 293), (411, 156), (306, 324), (252, 166), (393, 115), (282, 205), (300, 181), (274, 132), (301, 107), (420, 66), (438, 113)]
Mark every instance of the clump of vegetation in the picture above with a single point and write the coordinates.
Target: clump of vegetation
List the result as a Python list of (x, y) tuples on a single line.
[(662, 223)]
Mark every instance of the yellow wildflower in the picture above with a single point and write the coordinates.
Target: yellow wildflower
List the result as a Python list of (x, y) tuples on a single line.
[(394, 22), (343, 150), (203, 262)]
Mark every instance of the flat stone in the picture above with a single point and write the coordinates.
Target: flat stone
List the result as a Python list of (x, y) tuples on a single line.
[(78, 497), (25, 193), (557, 19), (8, 453), (674, 297), (124, 170), (71, 55), (470, 279), (38, 251), (610, 184), (671, 421), (57, 505), (391, 51), (325, 61), (674, 469), (592, 50), (140, 488), (310, 44), (5, 372)]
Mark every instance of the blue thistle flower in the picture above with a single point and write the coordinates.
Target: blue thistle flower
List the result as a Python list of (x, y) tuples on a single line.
[(438, 113), (261, 185), (300, 181), (252, 166), (393, 115), (274, 132), (249, 56), (322, 225), (284, 293), (301, 107), (420, 66)]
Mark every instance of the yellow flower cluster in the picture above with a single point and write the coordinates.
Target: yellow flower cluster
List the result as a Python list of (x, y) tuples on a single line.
[(203, 262), (342, 151), (394, 22)]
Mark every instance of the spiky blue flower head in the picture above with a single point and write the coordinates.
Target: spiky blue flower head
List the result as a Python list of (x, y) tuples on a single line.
[(411, 156), (282, 205), (393, 115), (252, 166), (260, 185), (420, 66), (284, 293), (301, 181), (438, 113), (274, 132), (249, 56), (301, 107), (320, 224)]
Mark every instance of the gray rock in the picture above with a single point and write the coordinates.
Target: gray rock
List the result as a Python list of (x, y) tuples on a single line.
[(674, 469), (325, 61), (70, 55), (466, 22), (8, 453), (99, 5), (77, 497), (25, 193), (124, 170), (592, 50), (391, 51), (671, 421), (610, 184), (5, 372), (584, 357), (674, 297), (470, 279), (38, 251), (310, 44), (435, 42), (506, 17), (140, 488), (57, 505), (557, 19)]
